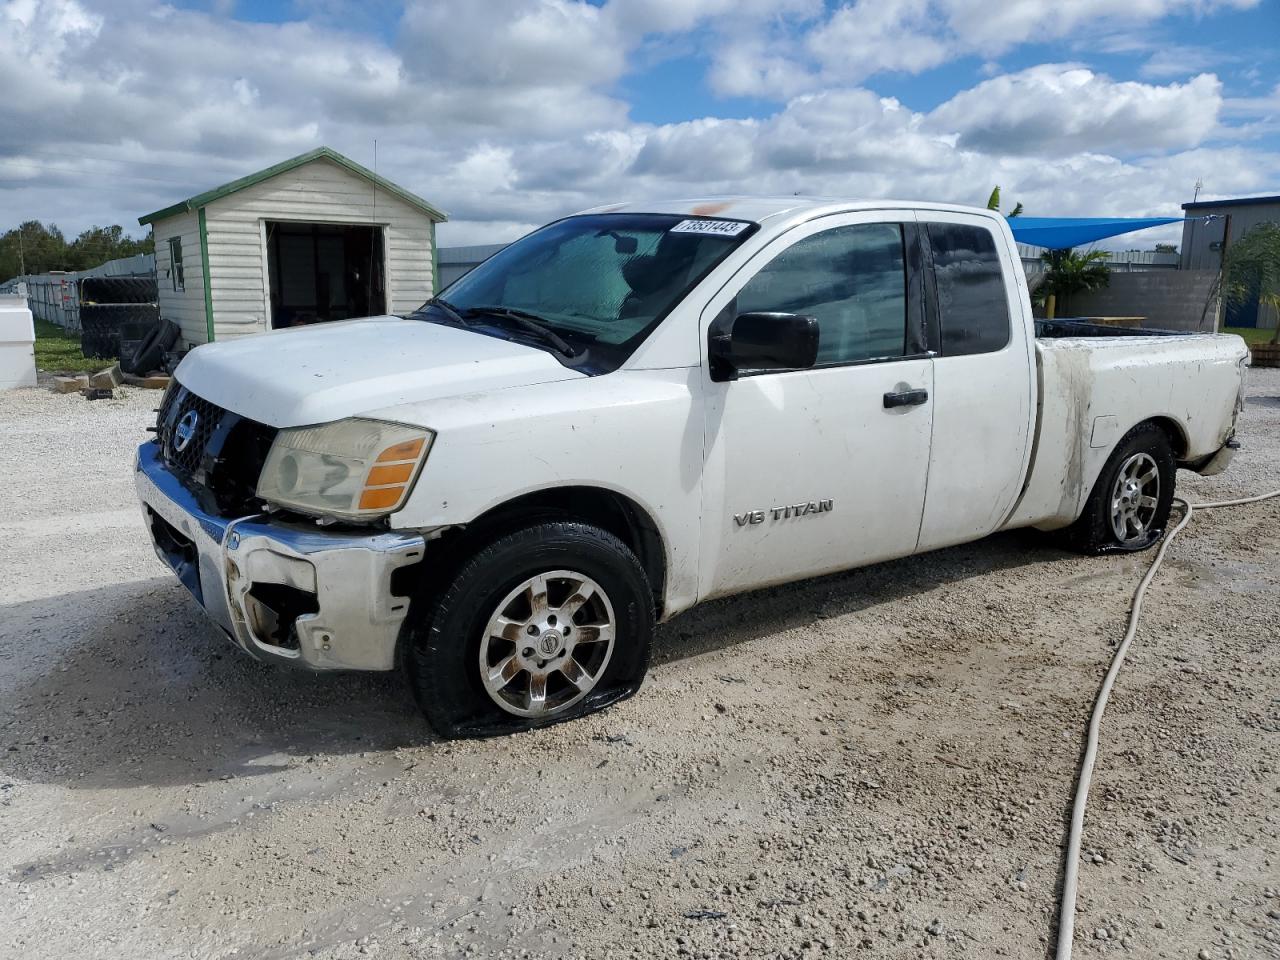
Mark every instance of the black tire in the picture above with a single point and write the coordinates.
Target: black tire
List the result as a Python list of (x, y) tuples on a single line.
[(1094, 532), (149, 354), (443, 659), (100, 290), (101, 323)]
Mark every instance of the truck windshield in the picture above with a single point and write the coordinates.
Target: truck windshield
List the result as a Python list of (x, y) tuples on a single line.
[(596, 285)]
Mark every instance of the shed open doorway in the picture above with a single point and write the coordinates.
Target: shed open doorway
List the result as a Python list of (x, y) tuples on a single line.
[(324, 271)]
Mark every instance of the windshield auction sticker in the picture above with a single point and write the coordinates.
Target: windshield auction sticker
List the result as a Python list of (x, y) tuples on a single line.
[(719, 228)]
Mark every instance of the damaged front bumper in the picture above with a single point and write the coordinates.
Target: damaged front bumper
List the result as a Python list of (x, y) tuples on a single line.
[(291, 593)]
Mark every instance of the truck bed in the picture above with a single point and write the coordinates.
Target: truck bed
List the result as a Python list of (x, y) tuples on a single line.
[(1095, 386), (1063, 328)]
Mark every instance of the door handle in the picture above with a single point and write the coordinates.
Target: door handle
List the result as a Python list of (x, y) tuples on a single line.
[(907, 398)]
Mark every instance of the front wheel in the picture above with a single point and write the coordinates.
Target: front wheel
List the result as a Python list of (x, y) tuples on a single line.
[(1129, 505), (543, 625)]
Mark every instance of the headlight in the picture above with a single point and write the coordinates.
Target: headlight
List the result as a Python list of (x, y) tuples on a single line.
[(352, 469)]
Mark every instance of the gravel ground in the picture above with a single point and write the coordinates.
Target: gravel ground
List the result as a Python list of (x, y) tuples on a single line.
[(878, 761)]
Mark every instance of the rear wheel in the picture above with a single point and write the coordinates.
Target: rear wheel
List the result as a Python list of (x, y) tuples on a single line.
[(542, 625), (1129, 506)]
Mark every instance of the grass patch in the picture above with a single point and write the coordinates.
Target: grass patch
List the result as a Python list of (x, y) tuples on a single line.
[(58, 350), (1251, 335)]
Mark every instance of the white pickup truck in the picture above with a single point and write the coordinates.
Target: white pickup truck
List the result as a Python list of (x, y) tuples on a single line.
[(642, 407)]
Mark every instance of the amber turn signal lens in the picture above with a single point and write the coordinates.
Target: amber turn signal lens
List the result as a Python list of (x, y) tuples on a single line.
[(408, 450), (381, 498), (382, 476), (388, 480)]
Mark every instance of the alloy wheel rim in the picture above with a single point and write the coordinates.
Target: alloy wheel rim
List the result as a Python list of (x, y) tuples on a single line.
[(1135, 497), (547, 644)]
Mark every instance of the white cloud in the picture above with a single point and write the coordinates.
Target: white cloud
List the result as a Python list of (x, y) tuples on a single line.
[(992, 28), (853, 143), (754, 68), (546, 44), (668, 16), (861, 38), (507, 114), (872, 36), (1175, 61), (1267, 106), (1059, 108)]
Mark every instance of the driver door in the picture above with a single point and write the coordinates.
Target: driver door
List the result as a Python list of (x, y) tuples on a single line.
[(816, 470)]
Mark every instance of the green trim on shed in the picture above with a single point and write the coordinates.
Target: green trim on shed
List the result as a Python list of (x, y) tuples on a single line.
[(200, 200), (204, 269), (435, 263)]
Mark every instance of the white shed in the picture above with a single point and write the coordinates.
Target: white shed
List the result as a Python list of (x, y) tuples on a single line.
[(314, 238)]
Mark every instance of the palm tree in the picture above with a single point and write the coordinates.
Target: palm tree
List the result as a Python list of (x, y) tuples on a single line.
[(993, 203), (1067, 272), (1253, 269)]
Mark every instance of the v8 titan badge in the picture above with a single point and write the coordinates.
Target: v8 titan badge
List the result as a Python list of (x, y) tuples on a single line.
[(785, 513)]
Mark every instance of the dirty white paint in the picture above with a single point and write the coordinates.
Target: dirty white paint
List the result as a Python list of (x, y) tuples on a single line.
[(1005, 439), (1192, 381), (983, 419)]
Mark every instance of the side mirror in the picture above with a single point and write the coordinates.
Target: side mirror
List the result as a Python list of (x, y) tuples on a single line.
[(762, 341)]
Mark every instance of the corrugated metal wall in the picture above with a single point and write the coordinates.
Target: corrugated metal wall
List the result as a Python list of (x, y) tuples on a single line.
[(1201, 241), (456, 261), (55, 297), (1202, 248), (1120, 261)]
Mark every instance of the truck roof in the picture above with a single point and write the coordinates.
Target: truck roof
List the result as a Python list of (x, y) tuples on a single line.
[(760, 209)]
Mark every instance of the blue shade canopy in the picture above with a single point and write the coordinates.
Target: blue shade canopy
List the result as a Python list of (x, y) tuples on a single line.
[(1057, 233)]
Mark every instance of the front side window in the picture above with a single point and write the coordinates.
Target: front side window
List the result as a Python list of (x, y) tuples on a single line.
[(852, 279), (973, 308), (175, 264), (601, 283)]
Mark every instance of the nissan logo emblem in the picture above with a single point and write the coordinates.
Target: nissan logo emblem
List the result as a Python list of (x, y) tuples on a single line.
[(185, 431)]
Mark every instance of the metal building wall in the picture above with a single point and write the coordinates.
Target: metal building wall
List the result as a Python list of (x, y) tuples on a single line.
[(1199, 236), (454, 262)]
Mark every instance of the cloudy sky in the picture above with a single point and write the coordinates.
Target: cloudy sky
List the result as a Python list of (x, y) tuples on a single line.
[(508, 113)]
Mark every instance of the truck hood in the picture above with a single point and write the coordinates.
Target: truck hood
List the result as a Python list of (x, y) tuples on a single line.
[(314, 374)]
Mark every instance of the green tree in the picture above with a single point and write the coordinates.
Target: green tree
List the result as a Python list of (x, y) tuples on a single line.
[(1067, 272), (993, 203), (1252, 269), (34, 247), (40, 248), (100, 244)]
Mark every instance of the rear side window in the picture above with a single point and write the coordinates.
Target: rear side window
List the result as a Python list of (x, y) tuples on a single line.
[(853, 279), (973, 309)]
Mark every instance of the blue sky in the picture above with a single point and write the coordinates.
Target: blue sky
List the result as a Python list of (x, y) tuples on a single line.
[(511, 112)]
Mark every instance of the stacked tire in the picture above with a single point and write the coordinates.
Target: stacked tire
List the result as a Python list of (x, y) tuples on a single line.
[(114, 310), (118, 290), (102, 326)]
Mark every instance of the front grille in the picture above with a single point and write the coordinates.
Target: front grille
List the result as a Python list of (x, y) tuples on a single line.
[(217, 454), (207, 418)]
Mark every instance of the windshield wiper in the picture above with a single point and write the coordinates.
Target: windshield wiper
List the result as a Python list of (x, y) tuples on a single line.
[(530, 323), (448, 309)]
